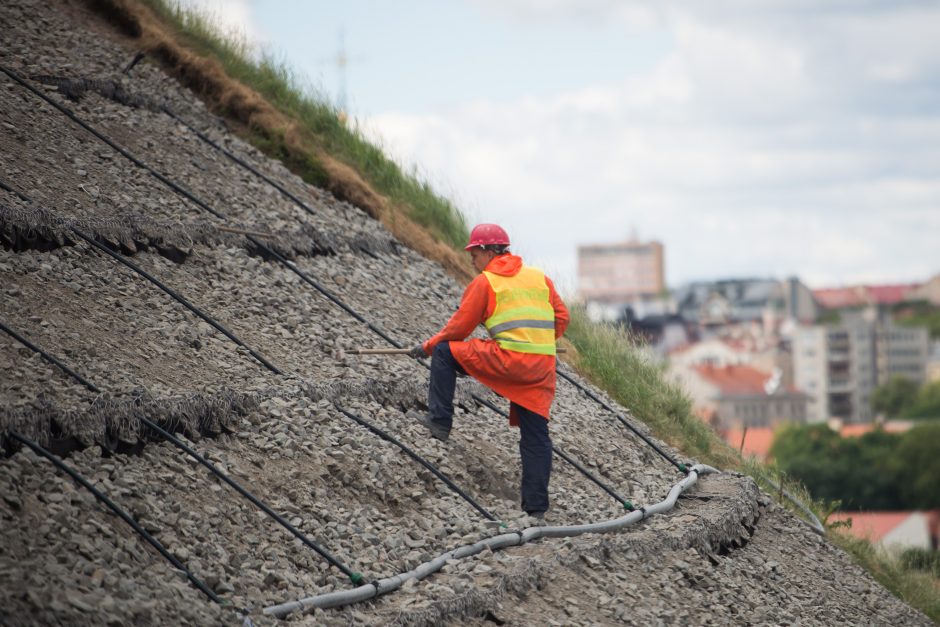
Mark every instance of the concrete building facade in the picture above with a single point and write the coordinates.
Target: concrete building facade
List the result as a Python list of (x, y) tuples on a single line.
[(839, 366), (620, 274)]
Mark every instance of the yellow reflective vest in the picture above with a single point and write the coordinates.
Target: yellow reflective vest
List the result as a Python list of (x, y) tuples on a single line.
[(523, 320)]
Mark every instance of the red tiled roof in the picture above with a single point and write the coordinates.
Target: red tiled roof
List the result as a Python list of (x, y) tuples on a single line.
[(834, 298), (891, 294), (734, 380), (858, 295), (757, 441), (858, 430), (872, 525)]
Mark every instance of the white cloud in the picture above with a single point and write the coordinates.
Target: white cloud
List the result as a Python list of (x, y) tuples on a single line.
[(635, 13), (774, 141)]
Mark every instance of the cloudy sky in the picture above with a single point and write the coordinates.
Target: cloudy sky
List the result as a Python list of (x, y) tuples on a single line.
[(767, 138)]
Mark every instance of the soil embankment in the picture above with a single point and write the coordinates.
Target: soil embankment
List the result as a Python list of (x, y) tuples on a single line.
[(261, 382)]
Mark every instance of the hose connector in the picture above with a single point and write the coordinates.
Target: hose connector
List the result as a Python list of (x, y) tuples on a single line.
[(356, 578)]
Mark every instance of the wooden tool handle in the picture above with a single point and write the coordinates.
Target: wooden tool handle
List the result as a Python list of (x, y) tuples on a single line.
[(379, 351), (397, 351)]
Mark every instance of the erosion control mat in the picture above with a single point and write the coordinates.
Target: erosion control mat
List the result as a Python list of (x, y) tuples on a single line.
[(114, 337)]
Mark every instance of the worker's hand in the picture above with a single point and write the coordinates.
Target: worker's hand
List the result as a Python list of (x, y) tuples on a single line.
[(417, 351)]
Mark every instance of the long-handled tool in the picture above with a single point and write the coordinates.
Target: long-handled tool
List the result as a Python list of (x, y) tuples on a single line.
[(399, 351)]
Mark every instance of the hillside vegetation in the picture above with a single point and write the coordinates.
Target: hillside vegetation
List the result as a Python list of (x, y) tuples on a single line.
[(265, 102)]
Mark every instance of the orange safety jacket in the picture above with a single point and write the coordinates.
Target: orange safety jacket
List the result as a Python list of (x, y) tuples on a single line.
[(525, 378)]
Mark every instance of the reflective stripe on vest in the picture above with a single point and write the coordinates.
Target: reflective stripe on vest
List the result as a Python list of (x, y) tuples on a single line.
[(523, 320)]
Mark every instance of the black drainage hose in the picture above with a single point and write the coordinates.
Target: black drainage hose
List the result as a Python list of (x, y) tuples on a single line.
[(15, 192), (51, 359), (179, 297), (240, 162), (682, 467), (329, 295), (626, 504), (453, 486), (354, 577), (120, 512)]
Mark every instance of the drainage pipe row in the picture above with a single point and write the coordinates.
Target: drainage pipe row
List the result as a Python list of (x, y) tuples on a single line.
[(261, 245), (48, 357), (117, 510), (239, 161), (515, 538), (168, 290), (354, 577)]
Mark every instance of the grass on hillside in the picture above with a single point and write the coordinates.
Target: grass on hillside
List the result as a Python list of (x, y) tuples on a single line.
[(283, 89), (609, 356), (915, 587)]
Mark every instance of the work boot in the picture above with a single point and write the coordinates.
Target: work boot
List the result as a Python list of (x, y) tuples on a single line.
[(437, 431), (534, 519)]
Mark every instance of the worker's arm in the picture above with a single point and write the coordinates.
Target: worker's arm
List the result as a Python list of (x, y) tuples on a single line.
[(561, 312), (472, 311)]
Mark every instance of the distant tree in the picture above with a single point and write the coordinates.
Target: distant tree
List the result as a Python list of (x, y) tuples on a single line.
[(859, 472), (926, 404), (794, 440), (874, 484), (894, 396), (917, 463)]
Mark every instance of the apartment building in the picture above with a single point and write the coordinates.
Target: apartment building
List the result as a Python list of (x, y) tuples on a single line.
[(621, 274), (839, 366)]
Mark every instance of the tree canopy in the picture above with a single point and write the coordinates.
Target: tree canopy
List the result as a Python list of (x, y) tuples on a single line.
[(878, 471), (894, 396)]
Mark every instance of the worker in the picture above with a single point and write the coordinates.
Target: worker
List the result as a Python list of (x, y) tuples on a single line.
[(524, 316)]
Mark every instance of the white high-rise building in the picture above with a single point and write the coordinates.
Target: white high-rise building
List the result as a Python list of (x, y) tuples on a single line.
[(839, 366)]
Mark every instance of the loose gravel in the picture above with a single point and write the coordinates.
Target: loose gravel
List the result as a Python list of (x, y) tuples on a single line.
[(725, 554)]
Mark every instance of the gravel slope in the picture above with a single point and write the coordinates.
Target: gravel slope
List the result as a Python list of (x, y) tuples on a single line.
[(723, 555)]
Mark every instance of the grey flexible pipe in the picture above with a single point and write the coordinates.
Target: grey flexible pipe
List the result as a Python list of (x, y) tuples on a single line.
[(814, 522), (383, 586)]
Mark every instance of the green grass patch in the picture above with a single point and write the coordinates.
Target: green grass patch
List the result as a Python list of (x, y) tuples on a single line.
[(909, 583), (294, 97)]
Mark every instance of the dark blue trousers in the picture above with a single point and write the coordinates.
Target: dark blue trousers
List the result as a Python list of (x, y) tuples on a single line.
[(535, 444)]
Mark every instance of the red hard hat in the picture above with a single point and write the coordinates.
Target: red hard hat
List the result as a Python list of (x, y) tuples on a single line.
[(486, 234)]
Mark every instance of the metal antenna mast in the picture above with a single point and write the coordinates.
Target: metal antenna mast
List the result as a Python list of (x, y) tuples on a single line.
[(341, 62)]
